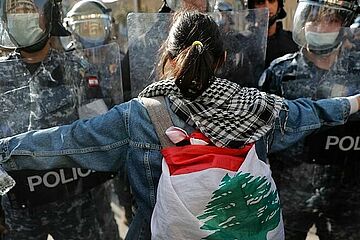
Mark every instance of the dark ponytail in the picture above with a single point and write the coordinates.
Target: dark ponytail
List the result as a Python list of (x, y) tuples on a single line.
[(193, 49)]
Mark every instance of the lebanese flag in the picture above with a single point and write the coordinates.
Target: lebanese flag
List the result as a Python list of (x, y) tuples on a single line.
[(207, 192)]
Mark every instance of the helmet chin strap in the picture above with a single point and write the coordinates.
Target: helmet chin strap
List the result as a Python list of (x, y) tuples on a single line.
[(36, 47), (272, 20)]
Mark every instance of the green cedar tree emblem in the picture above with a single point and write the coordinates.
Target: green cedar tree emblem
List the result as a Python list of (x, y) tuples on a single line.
[(243, 207)]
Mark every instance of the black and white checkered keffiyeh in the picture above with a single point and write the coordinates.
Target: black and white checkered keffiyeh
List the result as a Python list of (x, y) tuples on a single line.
[(229, 115)]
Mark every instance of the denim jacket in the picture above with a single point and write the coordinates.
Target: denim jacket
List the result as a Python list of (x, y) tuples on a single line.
[(124, 137)]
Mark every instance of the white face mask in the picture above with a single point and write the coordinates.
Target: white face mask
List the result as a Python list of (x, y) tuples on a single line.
[(24, 28), (320, 39)]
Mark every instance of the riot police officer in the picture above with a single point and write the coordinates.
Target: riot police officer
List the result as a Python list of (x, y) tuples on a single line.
[(91, 25), (45, 87), (318, 178)]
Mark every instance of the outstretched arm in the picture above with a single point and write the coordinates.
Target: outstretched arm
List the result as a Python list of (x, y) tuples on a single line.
[(305, 116), (98, 144)]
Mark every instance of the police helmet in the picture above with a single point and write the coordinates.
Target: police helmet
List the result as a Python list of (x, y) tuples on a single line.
[(28, 24), (318, 24), (280, 14), (90, 23)]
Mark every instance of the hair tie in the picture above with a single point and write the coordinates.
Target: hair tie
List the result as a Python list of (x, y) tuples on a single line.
[(195, 43)]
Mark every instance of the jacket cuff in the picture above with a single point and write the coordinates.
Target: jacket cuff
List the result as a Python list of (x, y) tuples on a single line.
[(5, 160), (346, 106), (354, 104)]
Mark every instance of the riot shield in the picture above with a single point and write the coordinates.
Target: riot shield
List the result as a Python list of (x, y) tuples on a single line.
[(61, 89), (103, 78), (245, 40), (244, 33), (146, 33)]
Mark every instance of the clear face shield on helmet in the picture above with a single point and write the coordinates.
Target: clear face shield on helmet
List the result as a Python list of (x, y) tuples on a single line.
[(24, 23), (89, 24), (318, 27), (91, 30)]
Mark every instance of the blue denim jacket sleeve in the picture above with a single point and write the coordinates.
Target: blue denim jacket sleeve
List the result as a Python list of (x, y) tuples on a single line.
[(305, 116), (95, 144)]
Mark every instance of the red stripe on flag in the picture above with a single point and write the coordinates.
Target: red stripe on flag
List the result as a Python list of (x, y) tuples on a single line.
[(194, 158)]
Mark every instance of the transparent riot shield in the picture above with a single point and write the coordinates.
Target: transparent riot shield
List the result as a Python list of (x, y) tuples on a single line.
[(104, 83), (146, 33), (244, 33), (103, 79), (245, 39), (61, 89)]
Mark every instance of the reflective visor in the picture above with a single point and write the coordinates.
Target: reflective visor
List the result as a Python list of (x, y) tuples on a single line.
[(24, 22), (91, 27), (313, 20)]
